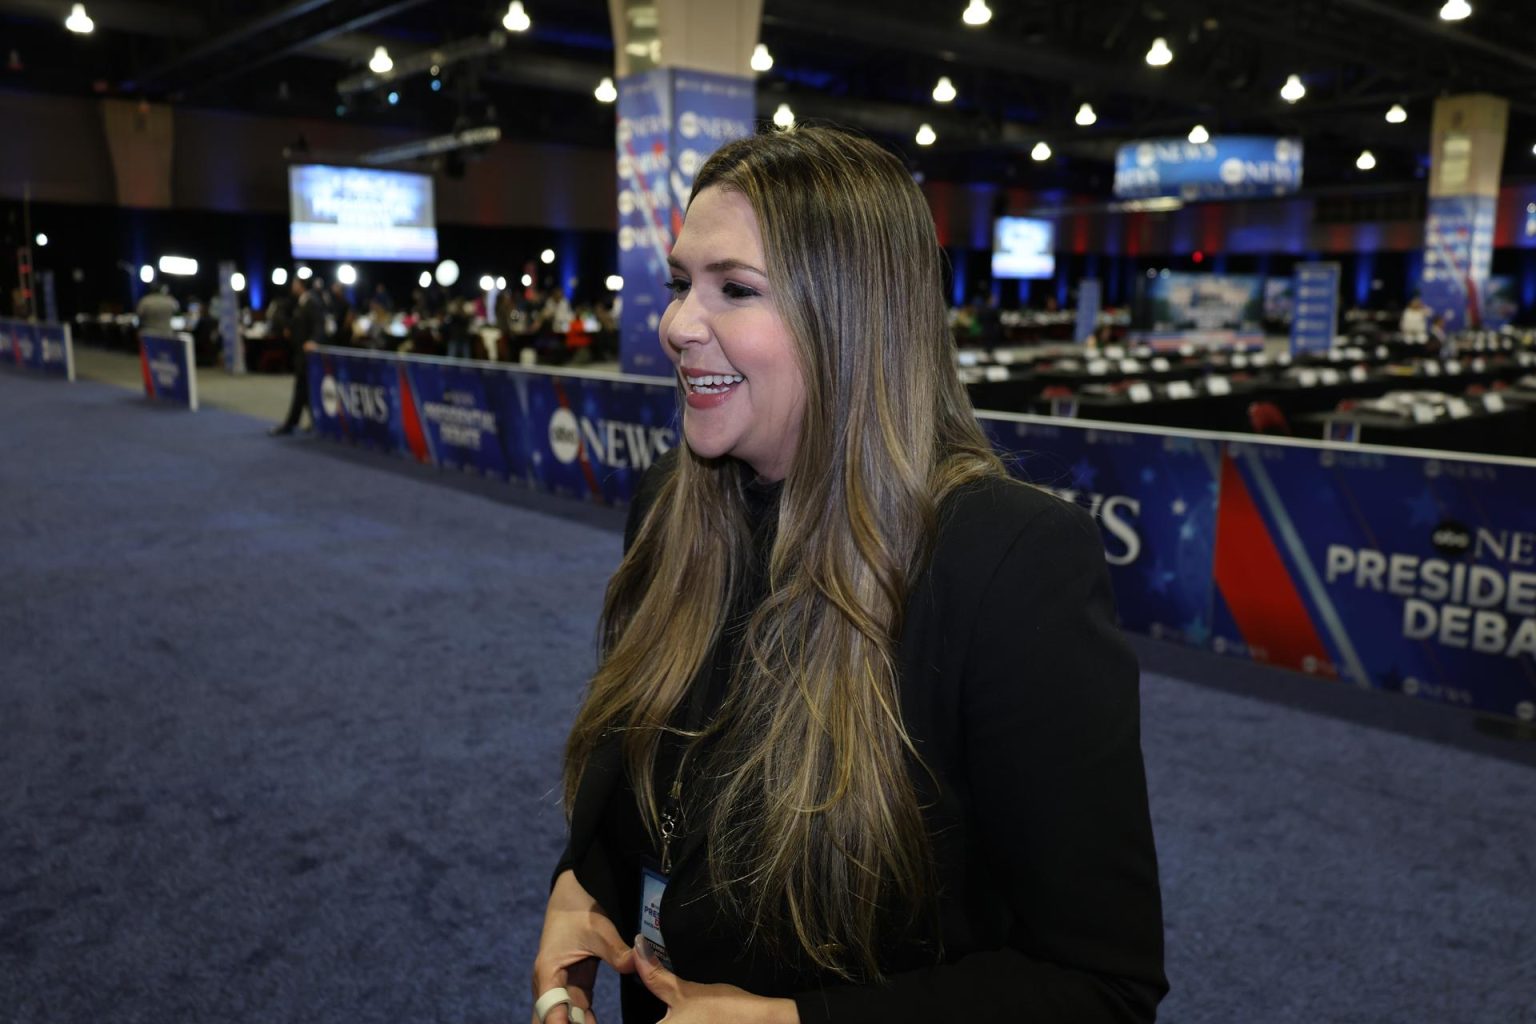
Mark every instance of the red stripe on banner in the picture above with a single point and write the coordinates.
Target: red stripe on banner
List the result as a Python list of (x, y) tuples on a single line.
[(1254, 581), (414, 437), (149, 380), (581, 445)]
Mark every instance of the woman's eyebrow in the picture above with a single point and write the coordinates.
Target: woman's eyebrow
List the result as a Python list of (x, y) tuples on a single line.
[(724, 266)]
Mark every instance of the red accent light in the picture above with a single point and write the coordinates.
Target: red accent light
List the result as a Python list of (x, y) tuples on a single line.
[(1199, 256)]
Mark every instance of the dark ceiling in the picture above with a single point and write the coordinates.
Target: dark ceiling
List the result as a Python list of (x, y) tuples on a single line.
[(871, 64)]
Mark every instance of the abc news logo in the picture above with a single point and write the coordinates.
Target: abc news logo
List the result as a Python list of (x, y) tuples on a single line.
[(1451, 539), (361, 401), (611, 443)]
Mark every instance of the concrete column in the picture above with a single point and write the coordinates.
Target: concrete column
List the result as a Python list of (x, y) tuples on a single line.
[(685, 88), (1466, 156), (140, 137)]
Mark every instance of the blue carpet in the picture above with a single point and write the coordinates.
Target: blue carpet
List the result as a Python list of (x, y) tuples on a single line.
[(280, 727)]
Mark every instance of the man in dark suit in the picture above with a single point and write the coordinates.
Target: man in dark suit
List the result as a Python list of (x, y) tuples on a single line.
[(306, 328)]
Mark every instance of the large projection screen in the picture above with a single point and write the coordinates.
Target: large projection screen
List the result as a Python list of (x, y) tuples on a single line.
[(358, 213)]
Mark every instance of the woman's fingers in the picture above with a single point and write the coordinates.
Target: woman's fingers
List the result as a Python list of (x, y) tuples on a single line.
[(663, 984)]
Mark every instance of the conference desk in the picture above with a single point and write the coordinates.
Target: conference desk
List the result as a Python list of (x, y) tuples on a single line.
[(1510, 431)]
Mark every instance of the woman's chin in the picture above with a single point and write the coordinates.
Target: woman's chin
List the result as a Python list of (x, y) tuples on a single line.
[(704, 445)]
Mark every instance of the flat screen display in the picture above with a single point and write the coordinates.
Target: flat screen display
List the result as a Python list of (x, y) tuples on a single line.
[(1206, 302), (1023, 247), (357, 213)]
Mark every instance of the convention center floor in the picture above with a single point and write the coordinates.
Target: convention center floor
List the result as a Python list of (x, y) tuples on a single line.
[(280, 734)]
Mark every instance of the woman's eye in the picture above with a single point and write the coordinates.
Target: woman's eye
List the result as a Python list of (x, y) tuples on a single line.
[(737, 291), (676, 286)]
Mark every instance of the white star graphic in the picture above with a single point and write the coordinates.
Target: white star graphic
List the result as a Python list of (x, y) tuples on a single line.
[(1179, 508)]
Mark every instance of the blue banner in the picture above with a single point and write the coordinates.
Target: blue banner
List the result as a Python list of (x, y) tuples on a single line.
[(669, 122), (1315, 316), (1403, 573), (1458, 254), (170, 374), (1090, 297), (582, 435), (45, 347), (1223, 168), (1414, 574), (16, 342), (1155, 500), (229, 319)]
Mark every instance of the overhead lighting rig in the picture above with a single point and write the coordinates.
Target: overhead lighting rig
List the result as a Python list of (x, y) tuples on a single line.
[(467, 138), (427, 62)]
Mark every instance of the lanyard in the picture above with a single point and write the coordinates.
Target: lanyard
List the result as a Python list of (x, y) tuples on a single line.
[(671, 825)]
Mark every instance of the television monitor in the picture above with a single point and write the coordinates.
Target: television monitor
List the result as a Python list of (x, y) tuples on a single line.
[(1023, 247), (360, 213), (1205, 303)]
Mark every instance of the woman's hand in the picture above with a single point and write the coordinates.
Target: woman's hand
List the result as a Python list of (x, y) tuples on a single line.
[(577, 936), (688, 1003)]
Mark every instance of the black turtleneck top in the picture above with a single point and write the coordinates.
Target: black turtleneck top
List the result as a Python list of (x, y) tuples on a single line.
[(1021, 696)]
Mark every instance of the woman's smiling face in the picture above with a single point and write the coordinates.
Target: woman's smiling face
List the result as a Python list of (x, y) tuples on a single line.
[(745, 393)]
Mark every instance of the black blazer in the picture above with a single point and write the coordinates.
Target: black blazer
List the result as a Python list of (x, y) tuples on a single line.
[(1021, 695)]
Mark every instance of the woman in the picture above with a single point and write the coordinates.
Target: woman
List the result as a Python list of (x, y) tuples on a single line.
[(863, 742)]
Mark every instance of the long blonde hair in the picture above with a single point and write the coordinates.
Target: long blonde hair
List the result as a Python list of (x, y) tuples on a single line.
[(815, 831)]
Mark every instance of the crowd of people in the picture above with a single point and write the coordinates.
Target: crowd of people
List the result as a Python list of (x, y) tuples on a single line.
[(437, 322)]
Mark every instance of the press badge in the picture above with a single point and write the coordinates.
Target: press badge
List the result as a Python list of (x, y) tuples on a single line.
[(653, 886)]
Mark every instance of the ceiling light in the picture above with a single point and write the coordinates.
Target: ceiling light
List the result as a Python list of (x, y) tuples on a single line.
[(237, 282), (346, 274), (181, 266), (146, 273), (1041, 152), (762, 60), (393, 98), (501, 283), (527, 280), (447, 273), (437, 85), (379, 63), (1454, 10), (487, 282), (978, 13), (1159, 54), (279, 276), (41, 239), (615, 283), (1085, 115), (81, 23), (926, 135), (1198, 135), (425, 280), (944, 92), (605, 92), (1366, 160), (304, 273), (1292, 90), (784, 117), (547, 256), (517, 19), (1397, 115)]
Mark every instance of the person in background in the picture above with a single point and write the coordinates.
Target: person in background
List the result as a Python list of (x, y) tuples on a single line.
[(456, 327), (1414, 324), (306, 332), (578, 343), (155, 310), (381, 296)]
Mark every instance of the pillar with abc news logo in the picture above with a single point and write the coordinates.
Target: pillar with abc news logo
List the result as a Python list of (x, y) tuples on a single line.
[(670, 121)]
